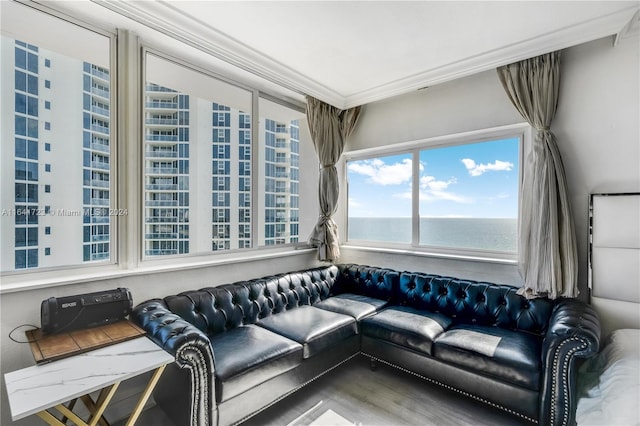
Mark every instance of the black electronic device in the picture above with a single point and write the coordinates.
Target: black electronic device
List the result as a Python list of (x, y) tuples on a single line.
[(86, 310)]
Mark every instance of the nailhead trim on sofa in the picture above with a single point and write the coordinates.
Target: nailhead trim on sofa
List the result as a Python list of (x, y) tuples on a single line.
[(565, 365), (452, 388)]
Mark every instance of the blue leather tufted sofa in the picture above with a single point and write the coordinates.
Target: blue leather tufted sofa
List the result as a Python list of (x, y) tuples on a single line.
[(241, 347)]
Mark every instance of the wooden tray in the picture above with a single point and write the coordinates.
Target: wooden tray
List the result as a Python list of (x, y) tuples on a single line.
[(51, 347)]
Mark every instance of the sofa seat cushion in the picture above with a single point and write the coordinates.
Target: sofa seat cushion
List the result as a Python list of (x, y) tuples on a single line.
[(405, 326), (315, 329), (249, 355), (508, 355), (354, 305)]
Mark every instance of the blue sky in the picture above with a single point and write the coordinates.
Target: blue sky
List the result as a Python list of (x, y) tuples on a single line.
[(471, 180)]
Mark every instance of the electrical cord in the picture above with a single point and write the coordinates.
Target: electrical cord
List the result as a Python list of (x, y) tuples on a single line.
[(22, 325), (67, 325)]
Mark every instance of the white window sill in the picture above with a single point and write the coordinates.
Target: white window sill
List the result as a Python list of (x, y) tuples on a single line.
[(469, 256), (12, 283)]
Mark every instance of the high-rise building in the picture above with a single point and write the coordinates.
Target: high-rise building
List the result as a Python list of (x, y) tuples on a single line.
[(26, 134), (166, 157), (205, 188), (187, 138), (281, 141), (244, 180), (221, 213), (96, 162), (56, 150)]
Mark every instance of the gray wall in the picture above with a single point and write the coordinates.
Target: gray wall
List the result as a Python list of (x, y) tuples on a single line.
[(597, 126)]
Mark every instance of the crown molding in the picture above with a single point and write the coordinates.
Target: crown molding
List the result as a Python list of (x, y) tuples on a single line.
[(631, 29), (608, 25), (169, 20)]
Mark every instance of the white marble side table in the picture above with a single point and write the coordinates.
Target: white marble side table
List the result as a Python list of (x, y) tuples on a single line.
[(42, 388)]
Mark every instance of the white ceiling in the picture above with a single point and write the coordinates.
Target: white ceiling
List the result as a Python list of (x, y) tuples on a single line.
[(350, 53)]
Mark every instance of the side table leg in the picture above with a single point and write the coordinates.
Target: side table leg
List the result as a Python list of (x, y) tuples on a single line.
[(91, 406), (49, 418), (71, 405), (145, 396), (103, 400), (69, 415)]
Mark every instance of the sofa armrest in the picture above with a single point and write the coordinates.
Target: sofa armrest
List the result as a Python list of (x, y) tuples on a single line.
[(191, 348), (574, 332)]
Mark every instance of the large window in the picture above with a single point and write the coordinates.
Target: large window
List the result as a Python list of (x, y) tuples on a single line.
[(279, 172), (380, 199), (459, 196), (57, 142), (215, 178), (219, 161)]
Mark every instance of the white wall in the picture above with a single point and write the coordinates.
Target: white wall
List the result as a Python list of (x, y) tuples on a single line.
[(597, 127)]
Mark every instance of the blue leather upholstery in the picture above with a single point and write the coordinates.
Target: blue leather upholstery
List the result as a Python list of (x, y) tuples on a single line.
[(471, 302), (242, 346), (512, 356), (218, 309), (369, 281), (315, 329), (354, 305), (406, 326), (574, 332), (249, 355)]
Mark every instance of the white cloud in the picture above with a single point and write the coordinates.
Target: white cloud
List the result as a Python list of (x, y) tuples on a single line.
[(479, 169), (400, 173), (433, 190), (430, 183), (381, 173), (431, 195)]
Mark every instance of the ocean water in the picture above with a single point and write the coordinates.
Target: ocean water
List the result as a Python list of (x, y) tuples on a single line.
[(470, 233)]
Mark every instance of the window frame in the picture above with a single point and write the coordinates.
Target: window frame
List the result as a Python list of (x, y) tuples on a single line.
[(127, 239), (523, 131), (253, 212), (39, 273)]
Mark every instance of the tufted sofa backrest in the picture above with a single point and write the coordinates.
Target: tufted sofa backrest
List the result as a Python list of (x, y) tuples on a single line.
[(366, 280), (473, 302), (217, 309)]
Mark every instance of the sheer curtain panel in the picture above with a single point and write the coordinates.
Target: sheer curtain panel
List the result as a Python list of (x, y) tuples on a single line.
[(547, 253), (329, 127)]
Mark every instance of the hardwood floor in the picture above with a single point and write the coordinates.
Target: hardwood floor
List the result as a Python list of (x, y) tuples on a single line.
[(386, 397)]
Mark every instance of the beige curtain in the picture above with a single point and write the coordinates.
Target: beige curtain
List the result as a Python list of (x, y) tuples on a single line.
[(329, 127), (547, 253)]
